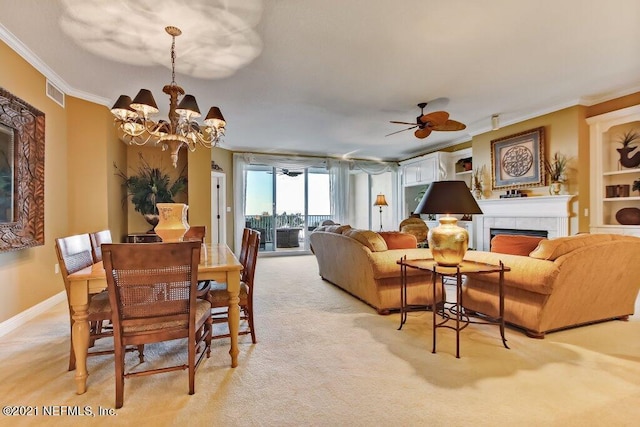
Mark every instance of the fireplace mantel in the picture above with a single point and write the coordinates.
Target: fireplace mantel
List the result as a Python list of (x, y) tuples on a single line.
[(549, 213)]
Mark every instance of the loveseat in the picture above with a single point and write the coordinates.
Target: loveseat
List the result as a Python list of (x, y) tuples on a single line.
[(563, 282), (364, 264)]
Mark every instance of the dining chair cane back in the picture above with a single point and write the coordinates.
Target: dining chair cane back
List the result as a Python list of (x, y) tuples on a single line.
[(152, 289), (97, 239), (219, 296), (74, 254)]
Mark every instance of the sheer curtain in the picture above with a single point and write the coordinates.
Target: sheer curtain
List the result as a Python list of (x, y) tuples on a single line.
[(340, 189)]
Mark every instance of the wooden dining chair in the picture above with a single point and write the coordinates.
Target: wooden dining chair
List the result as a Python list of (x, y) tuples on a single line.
[(152, 290), (195, 232), (219, 297), (74, 253), (97, 239), (244, 248)]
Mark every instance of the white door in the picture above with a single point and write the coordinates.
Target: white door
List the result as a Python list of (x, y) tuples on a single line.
[(218, 208)]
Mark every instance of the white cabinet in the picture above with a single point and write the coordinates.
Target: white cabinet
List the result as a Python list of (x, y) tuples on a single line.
[(426, 169), (607, 172), (417, 173)]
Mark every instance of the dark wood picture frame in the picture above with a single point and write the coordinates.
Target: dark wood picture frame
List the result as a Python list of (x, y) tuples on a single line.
[(517, 161), (26, 227)]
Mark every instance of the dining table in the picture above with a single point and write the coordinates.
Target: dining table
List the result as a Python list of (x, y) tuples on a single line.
[(217, 263)]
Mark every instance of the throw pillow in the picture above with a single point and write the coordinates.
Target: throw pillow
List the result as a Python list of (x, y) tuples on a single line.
[(514, 244), (368, 238), (399, 240), (554, 248)]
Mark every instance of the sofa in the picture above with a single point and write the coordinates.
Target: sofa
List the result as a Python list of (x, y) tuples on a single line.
[(364, 263), (560, 283)]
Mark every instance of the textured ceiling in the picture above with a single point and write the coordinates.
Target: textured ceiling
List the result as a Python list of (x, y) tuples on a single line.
[(326, 77)]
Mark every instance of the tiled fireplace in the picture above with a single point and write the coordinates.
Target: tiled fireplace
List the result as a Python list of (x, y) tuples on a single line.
[(540, 213)]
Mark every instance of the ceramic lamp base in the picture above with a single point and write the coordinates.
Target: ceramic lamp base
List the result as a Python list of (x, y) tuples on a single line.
[(448, 242)]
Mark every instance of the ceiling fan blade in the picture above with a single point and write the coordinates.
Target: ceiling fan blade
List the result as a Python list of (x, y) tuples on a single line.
[(436, 118), (402, 123), (398, 131), (422, 133), (449, 126)]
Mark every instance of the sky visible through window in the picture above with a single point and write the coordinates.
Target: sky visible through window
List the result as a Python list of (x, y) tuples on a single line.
[(290, 193)]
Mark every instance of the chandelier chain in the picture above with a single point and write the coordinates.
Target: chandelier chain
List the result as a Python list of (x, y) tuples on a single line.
[(173, 59)]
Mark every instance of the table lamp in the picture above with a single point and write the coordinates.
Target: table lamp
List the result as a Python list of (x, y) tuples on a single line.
[(448, 242), (380, 201)]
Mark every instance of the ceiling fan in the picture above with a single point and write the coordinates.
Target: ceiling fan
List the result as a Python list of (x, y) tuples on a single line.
[(287, 172), (291, 173), (426, 123)]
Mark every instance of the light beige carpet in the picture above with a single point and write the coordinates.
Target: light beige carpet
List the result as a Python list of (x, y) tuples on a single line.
[(324, 359)]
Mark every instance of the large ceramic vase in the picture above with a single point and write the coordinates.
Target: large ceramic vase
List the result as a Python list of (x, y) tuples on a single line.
[(172, 221), (448, 242)]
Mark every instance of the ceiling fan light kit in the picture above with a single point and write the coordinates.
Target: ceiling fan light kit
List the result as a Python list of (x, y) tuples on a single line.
[(135, 126), (426, 123)]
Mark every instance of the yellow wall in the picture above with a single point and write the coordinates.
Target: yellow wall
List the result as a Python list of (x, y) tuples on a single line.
[(80, 194), (27, 276), (200, 188), (157, 159), (198, 195), (561, 135)]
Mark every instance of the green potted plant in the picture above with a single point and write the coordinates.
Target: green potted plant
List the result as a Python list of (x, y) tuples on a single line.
[(151, 185)]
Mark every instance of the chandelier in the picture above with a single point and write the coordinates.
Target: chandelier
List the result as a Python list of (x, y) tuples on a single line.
[(135, 126)]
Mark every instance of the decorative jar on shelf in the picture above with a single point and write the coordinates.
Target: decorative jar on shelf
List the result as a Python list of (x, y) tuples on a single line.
[(555, 187), (172, 221)]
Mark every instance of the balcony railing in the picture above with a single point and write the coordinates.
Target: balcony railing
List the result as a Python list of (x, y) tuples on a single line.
[(265, 224)]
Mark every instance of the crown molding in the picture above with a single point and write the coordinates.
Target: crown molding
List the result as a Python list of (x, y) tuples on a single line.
[(27, 54), (593, 100)]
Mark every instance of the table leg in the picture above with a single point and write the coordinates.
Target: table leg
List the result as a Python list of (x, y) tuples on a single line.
[(233, 288), (403, 294), (458, 310), (501, 289), (80, 340), (434, 307)]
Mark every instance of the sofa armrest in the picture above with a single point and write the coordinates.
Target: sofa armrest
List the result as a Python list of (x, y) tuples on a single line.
[(385, 264), (535, 275)]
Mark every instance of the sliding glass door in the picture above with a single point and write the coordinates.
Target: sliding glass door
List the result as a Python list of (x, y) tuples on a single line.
[(284, 204)]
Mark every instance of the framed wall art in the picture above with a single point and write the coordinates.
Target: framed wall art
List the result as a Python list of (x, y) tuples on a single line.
[(21, 174), (517, 160)]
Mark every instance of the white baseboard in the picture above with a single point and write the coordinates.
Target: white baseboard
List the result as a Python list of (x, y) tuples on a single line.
[(22, 318)]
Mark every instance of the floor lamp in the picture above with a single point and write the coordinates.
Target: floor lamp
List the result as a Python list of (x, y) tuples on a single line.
[(380, 201)]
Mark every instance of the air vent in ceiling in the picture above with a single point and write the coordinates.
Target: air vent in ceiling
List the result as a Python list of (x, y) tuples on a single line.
[(54, 93)]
